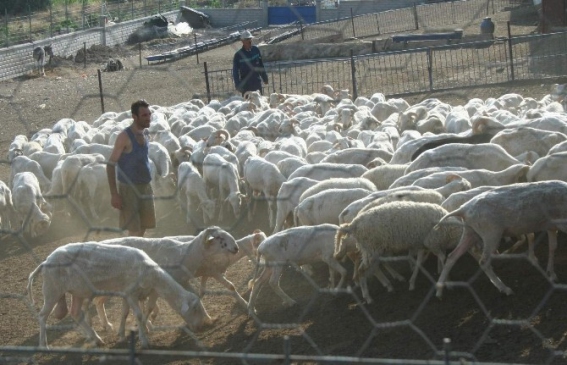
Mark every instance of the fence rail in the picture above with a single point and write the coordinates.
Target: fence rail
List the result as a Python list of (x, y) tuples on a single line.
[(79, 16), (418, 70)]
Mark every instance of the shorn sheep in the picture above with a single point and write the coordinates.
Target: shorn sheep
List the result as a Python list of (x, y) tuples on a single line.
[(511, 210), (39, 57), (86, 270), (395, 229)]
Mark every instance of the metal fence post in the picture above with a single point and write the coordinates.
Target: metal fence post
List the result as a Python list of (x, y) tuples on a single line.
[(196, 48), (430, 67), (50, 20), (207, 83), (132, 4), (6, 32), (85, 54), (145, 10), (132, 348), (487, 5), (377, 23), (29, 20), (159, 6), (352, 21), (416, 21), (287, 350), (100, 90), (446, 350), (353, 75), (83, 15), (301, 30), (510, 51), (67, 15)]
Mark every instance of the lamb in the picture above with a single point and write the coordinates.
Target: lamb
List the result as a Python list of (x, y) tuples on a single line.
[(517, 141), (297, 246), (39, 57), (184, 260), (263, 176), (409, 179), (512, 210), (25, 164), (322, 171), (17, 146), (550, 167), (325, 207), (193, 192), (384, 176), (394, 228), (222, 175), (288, 198), (487, 156), (34, 213), (8, 217), (90, 269), (338, 183), (361, 156), (511, 175)]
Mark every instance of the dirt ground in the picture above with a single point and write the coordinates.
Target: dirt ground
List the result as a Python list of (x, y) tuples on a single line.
[(527, 327)]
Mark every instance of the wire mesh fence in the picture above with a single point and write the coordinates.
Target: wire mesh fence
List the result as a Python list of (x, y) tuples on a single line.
[(473, 324), (416, 70), (66, 17)]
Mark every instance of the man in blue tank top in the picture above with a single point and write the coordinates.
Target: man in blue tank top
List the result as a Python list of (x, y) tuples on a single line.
[(133, 194), (247, 67)]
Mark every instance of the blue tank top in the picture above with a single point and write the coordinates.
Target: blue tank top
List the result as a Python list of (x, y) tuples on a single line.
[(134, 167)]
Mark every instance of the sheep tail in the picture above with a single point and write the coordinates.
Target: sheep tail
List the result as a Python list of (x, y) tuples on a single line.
[(444, 221), (30, 281)]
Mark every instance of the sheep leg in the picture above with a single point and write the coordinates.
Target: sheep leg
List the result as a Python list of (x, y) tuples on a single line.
[(491, 241), (230, 286), (393, 272), (79, 316), (552, 241), (123, 316), (418, 263), (101, 311), (152, 310), (49, 303), (468, 239), (203, 287), (275, 284), (258, 283), (142, 333), (531, 254), (334, 267)]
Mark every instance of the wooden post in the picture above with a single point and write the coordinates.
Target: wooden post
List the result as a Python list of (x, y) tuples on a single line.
[(100, 90), (50, 20), (67, 15), (140, 53), (29, 20), (85, 54), (6, 26), (377, 23), (301, 30)]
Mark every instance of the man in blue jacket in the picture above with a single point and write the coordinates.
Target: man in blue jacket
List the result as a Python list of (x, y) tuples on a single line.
[(247, 67)]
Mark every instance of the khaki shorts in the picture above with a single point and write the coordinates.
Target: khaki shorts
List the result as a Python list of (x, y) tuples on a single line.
[(138, 211)]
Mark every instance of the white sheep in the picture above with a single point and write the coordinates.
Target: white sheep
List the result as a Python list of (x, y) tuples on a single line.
[(297, 246), (338, 183), (325, 206), (90, 269), (322, 171), (193, 193), (288, 198), (397, 228), (263, 176), (487, 156), (508, 210), (34, 213)]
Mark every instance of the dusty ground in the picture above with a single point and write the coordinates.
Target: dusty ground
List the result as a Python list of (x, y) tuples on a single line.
[(527, 327)]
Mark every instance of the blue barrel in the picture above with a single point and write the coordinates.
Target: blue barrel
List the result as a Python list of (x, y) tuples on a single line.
[(487, 26)]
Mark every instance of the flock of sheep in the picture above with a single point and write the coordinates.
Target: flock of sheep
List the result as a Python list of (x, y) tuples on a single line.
[(366, 179)]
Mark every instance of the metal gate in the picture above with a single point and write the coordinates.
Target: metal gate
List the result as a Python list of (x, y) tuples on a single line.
[(290, 14)]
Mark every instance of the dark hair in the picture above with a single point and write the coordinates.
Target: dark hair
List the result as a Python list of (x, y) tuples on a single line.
[(135, 108)]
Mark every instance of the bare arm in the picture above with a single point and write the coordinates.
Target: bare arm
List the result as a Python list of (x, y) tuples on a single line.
[(119, 147)]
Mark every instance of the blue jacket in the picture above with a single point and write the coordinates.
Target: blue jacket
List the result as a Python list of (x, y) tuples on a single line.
[(247, 69)]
